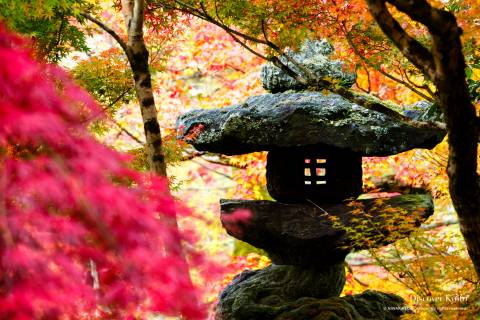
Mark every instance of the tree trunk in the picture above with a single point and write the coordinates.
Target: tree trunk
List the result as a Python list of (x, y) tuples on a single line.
[(445, 66), (143, 89), (133, 11), (460, 115), (138, 56)]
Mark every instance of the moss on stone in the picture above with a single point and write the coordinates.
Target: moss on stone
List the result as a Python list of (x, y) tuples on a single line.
[(270, 121), (369, 305)]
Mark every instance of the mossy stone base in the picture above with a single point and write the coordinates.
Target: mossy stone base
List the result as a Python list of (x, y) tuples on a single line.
[(264, 293), (369, 305)]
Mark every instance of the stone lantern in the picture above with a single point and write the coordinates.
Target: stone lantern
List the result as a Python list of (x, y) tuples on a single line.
[(315, 145)]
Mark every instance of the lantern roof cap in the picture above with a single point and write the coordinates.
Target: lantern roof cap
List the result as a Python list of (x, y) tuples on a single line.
[(293, 119)]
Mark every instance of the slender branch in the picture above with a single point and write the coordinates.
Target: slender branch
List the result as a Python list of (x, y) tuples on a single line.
[(275, 60), (204, 15), (235, 35), (111, 32), (222, 160), (404, 261), (234, 68), (6, 236), (212, 170), (316, 205), (278, 63), (424, 86), (354, 277), (104, 109), (131, 135), (422, 273), (59, 35), (310, 76), (379, 107), (410, 47), (210, 157), (369, 89), (311, 82), (267, 41), (446, 254), (436, 225), (247, 47), (386, 74), (111, 104), (56, 42), (216, 12), (435, 158), (122, 129), (185, 8), (383, 264), (264, 31), (191, 154)]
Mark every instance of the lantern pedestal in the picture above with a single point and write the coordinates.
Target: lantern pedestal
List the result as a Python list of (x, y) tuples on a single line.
[(317, 234), (308, 252)]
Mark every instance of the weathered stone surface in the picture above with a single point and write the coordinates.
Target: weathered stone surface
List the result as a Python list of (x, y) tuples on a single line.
[(424, 111), (243, 300), (369, 305), (251, 291), (303, 234), (313, 56), (278, 120)]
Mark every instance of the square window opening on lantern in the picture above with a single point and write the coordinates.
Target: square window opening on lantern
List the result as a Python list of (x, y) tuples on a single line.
[(320, 172), (315, 168)]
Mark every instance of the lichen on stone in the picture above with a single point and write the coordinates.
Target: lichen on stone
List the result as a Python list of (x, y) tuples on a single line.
[(314, 56), (270, 121)]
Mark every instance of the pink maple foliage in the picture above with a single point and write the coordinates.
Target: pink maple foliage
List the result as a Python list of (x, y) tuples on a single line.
[(81, 234)]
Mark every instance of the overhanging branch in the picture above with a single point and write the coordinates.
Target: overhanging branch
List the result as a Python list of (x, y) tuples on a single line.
[(437, 21), (307, 78), (111, 32), (386, 74), (410, 47)]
